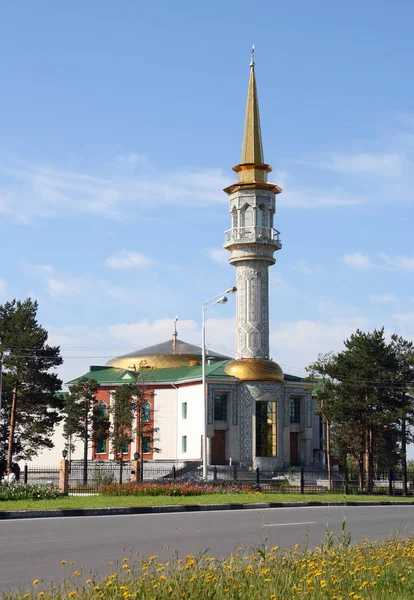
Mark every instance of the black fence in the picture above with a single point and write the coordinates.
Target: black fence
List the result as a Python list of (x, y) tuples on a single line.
[(309, 479), (98, 473), (39, 475)]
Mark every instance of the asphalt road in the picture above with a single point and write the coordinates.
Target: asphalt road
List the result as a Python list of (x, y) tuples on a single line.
[(33, 548)]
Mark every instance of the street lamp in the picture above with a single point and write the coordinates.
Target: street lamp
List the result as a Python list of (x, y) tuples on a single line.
[(64, 453), (219, 299)]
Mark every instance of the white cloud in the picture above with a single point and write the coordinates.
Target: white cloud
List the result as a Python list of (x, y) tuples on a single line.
[(362, 262), (315, 199), (381, 164), (133, 159), (303, 267), (124, 259), (397, 263), (219, 255), (383, 298), (298, 343), (358, 261), (31, 190)]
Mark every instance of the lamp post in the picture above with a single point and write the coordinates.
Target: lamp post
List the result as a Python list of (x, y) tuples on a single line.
[(219, 299)]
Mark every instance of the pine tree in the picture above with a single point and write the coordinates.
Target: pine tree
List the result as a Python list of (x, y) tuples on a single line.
[(130, 419), (30, 403), (83, 420), (364, 404)]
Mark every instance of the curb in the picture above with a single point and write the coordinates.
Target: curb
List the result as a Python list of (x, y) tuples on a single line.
[(177, 508)]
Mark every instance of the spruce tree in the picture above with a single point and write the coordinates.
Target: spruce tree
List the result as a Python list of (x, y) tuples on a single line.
[(31, 408)]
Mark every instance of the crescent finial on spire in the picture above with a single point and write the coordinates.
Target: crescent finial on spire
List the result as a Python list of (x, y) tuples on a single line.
[(252, 58)]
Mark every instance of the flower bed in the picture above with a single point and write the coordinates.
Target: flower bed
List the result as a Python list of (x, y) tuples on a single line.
[(176, 489), (20, 491)]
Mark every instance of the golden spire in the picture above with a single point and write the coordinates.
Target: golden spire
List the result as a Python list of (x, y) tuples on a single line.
[(175, 334), (252, 152), (252, 170)]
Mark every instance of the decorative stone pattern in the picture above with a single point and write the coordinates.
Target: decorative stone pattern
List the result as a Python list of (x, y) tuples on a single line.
[(252, 322), (249, 393), (307, 395), (217, 388)]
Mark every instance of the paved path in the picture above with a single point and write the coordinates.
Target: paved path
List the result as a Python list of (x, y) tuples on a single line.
[(33, 548)]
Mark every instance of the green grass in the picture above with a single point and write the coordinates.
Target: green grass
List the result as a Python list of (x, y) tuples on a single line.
[(114, 501), (334, 571)]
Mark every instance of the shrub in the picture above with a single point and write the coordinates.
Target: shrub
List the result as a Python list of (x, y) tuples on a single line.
[(19, 491)]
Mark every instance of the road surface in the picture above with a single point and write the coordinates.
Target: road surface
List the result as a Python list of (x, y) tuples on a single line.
[(33, 548)]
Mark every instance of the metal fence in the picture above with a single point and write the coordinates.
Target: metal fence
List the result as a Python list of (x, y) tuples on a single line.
[(309, 479), (39, 475), (98, 473)]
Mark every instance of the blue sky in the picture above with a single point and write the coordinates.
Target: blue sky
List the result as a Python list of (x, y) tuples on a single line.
[(119, 125)]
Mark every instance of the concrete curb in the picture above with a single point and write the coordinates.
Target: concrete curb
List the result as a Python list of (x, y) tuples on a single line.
[(177, 508)]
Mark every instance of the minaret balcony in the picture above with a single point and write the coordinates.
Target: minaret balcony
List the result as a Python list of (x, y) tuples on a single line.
[(257, 235)]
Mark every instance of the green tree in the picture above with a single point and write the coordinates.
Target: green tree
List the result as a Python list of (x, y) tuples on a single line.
[(130, 418), (364, 402), (404, 397), (31, 407), (83, 419)]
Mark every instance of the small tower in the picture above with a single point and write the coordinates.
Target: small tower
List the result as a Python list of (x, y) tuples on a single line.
[(252, 241)]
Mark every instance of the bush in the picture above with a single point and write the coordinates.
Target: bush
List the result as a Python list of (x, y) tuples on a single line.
[(19, 491)]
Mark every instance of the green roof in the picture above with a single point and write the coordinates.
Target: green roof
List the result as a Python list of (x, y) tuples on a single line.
[(112, 375)]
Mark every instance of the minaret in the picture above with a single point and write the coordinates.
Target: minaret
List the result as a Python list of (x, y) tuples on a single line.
[(252, 241)]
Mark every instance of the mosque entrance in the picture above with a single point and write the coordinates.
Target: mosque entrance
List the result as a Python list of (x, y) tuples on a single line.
[(218, 447), (294, 449)]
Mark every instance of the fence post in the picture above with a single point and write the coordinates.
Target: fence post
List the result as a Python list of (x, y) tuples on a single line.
[(235, 472), (174, 474), (302, 480), (346, 481), (215, 473), (258, 476), (25, 473), (64, 477), (390, 482)]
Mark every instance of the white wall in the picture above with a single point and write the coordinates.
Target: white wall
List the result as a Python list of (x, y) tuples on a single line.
[(52, 457), (165, 417), (192, 427)]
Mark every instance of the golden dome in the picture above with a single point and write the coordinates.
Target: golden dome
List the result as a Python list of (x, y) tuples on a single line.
[(163, 356), (254, 369)]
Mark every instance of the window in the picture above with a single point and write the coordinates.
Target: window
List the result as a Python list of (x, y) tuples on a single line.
[(125, 448), (220, 407), (184, 410), (146, 445), (247, 217), (100, 440), (266, 436), (295, 410), (184, 443), (146, 412)]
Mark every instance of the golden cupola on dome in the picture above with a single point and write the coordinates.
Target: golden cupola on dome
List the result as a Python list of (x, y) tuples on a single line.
[(167, 355)]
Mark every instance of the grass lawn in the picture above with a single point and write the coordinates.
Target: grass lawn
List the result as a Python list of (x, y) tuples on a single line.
[(114, 501)]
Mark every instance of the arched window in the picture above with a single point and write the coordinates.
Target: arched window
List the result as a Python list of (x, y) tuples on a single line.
[(100, 427), (247, 216), (266, 434), (146, 412)]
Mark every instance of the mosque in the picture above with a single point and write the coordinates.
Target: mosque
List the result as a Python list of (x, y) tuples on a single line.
[(257, 415)]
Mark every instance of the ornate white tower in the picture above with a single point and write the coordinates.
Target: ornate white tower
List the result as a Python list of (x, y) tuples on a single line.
[(252, 241)]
